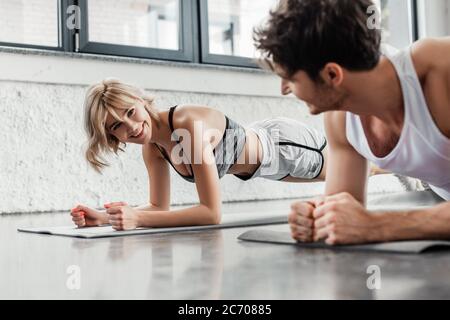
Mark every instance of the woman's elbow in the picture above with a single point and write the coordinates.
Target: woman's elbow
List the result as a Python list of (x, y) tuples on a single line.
[(214, 216)]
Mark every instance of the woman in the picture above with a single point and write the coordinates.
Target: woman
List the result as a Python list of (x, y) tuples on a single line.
[(200, 143)]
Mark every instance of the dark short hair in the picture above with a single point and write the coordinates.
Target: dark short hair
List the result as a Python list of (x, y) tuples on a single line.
[(308, 34)]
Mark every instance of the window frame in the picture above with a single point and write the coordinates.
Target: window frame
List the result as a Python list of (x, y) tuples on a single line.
[(194, 39), (186, 43), (414, 13), (218, 59)]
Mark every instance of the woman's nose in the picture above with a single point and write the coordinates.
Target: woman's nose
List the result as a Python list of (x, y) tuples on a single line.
[(131, 126)]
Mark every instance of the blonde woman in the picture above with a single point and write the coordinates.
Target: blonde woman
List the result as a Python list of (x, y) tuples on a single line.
[(200, 143)]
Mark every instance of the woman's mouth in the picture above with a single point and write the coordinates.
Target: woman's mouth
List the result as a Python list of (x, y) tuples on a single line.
[(140, 134)]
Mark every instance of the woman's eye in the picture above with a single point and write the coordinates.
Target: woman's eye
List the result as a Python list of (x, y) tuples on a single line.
[(116, 126), (130, 112)]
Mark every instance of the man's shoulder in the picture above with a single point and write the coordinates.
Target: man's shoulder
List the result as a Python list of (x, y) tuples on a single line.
[(431, 59), (431, 54)]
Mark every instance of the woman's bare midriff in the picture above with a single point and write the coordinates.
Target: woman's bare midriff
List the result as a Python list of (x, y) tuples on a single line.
[(248, 162)]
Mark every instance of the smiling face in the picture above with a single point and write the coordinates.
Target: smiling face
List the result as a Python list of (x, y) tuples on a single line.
[(130, 124), (116, 113), (320, 96)]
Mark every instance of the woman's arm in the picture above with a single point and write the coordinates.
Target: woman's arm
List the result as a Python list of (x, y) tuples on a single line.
[(200, 153), (208, 212), (159, 179), (159, 183)]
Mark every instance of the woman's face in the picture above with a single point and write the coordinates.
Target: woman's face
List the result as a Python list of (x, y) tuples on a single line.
[(135, 126)]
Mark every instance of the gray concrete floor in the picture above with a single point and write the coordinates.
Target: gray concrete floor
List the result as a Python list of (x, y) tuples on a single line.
[(203, 265)]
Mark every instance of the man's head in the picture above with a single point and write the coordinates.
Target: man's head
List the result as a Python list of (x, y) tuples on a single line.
[(312, 43)]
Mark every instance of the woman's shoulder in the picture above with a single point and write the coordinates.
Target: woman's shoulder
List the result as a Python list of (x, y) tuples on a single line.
[(186, 116)]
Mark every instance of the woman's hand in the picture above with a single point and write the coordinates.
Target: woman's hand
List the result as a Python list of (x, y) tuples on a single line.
[(122, 217), (84, 216)]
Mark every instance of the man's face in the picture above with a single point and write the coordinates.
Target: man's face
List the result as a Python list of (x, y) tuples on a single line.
[(318, 95)]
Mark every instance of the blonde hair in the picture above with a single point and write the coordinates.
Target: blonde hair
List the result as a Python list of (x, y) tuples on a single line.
[(102, 99)]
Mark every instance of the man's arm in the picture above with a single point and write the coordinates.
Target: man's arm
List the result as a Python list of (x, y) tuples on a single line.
[(347, 170), (340, 217), (422, 224)]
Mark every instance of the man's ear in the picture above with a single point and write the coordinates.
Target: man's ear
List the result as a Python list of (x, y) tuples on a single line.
[(332, 74)]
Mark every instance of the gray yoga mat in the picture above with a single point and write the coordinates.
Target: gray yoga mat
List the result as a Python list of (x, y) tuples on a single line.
[(398, 201), (279, 237), (230, 220), (234, 220)]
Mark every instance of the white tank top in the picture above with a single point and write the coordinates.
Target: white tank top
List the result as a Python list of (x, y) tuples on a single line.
[(422, 152)]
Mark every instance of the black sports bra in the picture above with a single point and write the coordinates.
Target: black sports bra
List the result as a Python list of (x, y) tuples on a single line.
[(226, 152)]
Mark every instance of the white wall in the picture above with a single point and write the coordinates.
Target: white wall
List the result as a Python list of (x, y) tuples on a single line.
[(41, 162)]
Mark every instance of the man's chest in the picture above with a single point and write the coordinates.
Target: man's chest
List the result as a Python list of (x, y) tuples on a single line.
[(381, 138)]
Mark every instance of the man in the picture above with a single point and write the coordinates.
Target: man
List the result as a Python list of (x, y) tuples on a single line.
[(392, 110)]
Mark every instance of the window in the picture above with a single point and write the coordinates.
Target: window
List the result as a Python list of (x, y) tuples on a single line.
[(146, 23), (398, 21), (30, 22), (227, 27), (158, 29), (201, 31)]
